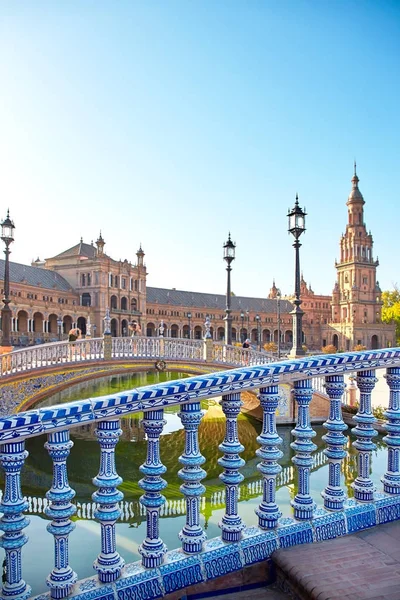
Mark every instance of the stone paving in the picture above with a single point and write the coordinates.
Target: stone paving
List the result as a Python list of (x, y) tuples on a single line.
[(361, 566)]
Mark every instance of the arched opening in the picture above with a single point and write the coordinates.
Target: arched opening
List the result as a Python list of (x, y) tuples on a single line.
[(67, 323), (124, 303), (212, 332), (335, 341), (374, 342), (53, 324), (254, 336), (81, 324), (185, 331), (174, 331), (150, 330), (22, 321), (244, 334), (266, 336), (133, 304), (113, 302), (288, 337), (197, 332), (234, 334), (37, 323), (86, 299), (114, 327), (220, 334), (124, 327)]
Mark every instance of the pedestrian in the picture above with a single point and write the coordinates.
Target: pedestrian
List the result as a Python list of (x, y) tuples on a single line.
[(246, 344)]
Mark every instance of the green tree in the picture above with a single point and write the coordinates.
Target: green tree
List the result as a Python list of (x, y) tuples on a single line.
[(391, 309)]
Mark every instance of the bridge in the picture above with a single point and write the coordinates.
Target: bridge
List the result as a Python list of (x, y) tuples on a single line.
[(199, 559), (29, 374)]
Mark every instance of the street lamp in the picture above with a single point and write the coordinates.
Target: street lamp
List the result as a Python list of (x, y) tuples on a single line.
[(229, 256), (189, 316), (297, 219), (7, 235), (278, 317), (248, 323), (59, 327), (258, 332), (241, 333)]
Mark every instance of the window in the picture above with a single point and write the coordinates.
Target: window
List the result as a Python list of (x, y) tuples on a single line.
[(123, 283), (83, 280), (89, 279)]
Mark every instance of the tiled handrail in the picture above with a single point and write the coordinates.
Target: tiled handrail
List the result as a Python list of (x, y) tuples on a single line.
[(199, 559)]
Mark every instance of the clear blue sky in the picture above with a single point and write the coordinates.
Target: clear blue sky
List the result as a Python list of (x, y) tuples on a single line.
[(170, 123)]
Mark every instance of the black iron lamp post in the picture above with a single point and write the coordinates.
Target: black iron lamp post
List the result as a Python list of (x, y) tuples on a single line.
[(248, 323), (297, 221), (242, 338), (189, 316), (278, 316), (229, 256), (258, 332), (7, 235)]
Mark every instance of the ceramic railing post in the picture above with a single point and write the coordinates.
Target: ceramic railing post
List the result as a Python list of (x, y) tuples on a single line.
[(268, 511), (108, 563), (363, 486), (231, 524), (303, 504), (13, 521), (333, 494), (60, 509), (391, 479), (192, 534), (153, 548)]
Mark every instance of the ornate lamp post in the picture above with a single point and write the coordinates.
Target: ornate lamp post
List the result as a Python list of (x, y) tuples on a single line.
[(297, 220), (59, 327), (229, 256), (258, 332), (7, 235), (242, 338), (189, 316), (278, 317)]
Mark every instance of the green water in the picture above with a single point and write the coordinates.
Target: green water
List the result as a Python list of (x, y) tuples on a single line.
[(83, 464)]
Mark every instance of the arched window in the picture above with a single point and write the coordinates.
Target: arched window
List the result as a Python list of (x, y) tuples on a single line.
[(86, 299)]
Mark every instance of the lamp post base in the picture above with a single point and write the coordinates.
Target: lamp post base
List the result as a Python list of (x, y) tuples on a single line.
[(299, 353)]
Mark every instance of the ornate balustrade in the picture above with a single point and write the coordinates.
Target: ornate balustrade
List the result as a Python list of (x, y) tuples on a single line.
[(130, 348), (198, 559)]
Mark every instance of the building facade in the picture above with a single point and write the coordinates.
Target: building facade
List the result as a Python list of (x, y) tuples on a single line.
[(74, 288)]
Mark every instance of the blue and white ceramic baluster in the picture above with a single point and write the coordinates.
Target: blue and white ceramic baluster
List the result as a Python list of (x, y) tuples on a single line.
[(268, 511), (231, 524), (108, 563), (333, 494), (303, 503), (363, 486), (192, 534), (391, 479), (13, 521), (153, 548), (60, 509)]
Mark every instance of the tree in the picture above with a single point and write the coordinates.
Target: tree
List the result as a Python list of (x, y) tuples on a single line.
[(391, 309), (329, 349), (270, 347)]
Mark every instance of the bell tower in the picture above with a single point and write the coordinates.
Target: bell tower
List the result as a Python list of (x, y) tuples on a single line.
[(356, 300)]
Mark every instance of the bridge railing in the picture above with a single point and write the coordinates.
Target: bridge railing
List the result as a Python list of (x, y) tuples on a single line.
[(198, 559), (155, 348)]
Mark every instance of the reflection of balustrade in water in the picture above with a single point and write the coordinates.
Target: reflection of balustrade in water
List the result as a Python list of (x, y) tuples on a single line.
[(200, 559)]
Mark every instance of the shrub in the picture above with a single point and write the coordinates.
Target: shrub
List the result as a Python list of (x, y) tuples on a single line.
[(270, 347), (359, 348), (329, 349)]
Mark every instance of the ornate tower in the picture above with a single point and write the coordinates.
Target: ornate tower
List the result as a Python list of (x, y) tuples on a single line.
[(100, 245), (356, 299)]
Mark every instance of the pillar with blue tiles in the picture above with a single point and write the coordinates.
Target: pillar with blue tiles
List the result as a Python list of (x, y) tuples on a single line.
[(153, 548), (13, 521), (60, 510), (192, 535), (268, 511), (391, 479), (334, 495), (302, 503), (363, 486), (108, 563), (231, 524)]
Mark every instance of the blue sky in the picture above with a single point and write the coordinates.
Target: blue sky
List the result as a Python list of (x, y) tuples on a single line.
[(169, 123)]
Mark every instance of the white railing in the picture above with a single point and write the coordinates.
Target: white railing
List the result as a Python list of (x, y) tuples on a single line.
[(154, 348)]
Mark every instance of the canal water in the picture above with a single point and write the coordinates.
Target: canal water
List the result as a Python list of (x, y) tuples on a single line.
[(83, 465)]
